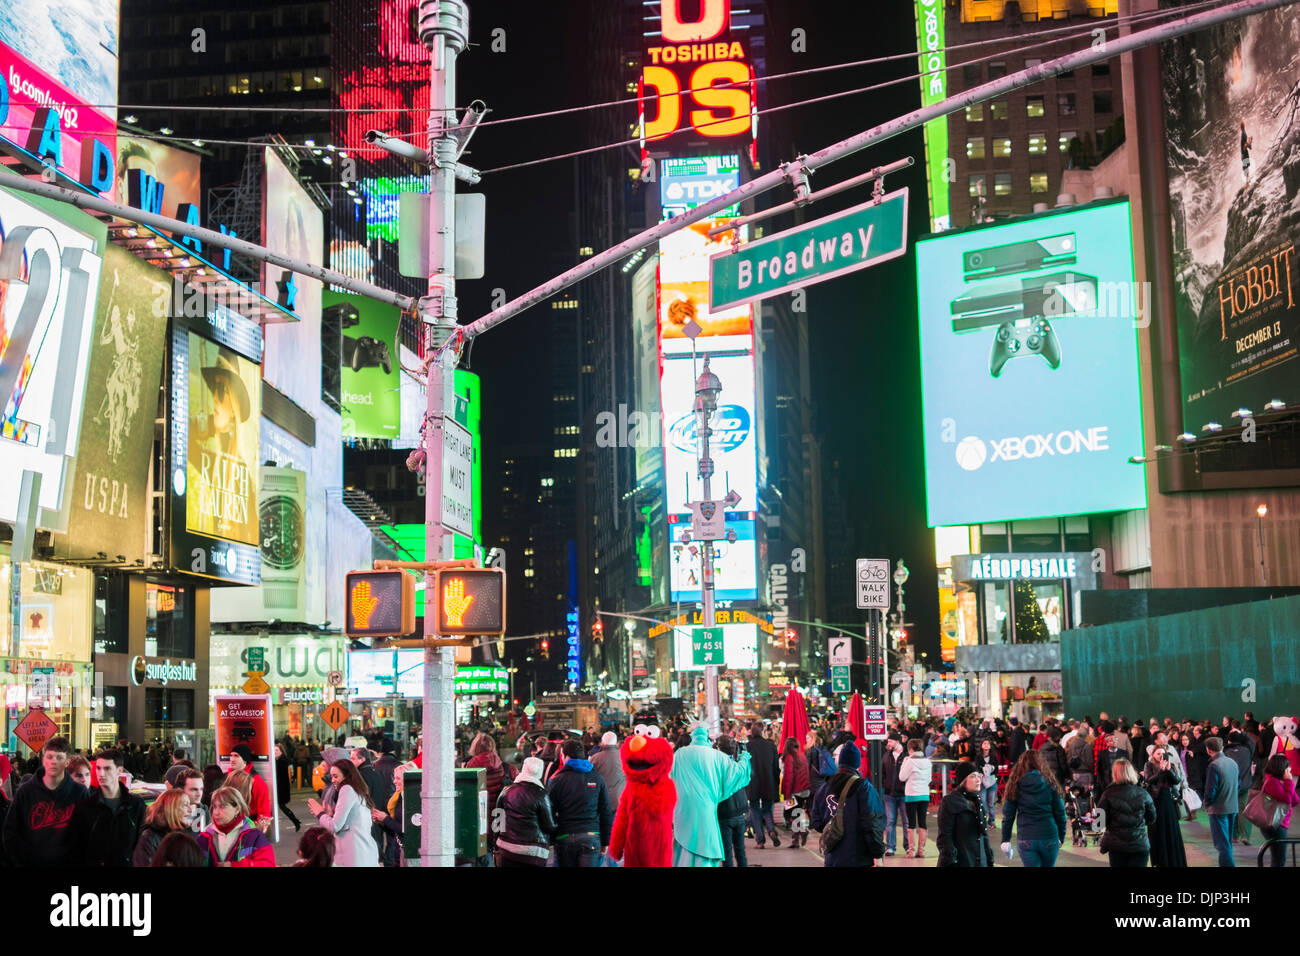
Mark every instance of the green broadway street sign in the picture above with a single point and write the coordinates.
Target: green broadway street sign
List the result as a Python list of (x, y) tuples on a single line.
[(706, 647), (836, 245)]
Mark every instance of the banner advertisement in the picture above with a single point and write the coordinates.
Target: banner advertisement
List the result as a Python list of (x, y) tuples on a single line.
[(109, 510), (934, 89), (1231, 104), (285, 660), (75, 43), (158, 178), (246, 719), (684, 287), (645, 346), (292, 225), (1029, 368), (370, 374), (282, 515), (225, 398), (67, 133), (43, 365)]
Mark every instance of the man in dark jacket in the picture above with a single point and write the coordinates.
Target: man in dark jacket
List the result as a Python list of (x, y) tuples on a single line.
[(583, 819), (863, 818), (1054, 758), (1239, 752), (109, 820), (731, 815), (763, 783), (1221, 778), (963, 835), (1019, 741), (38, 828), (893, 792)]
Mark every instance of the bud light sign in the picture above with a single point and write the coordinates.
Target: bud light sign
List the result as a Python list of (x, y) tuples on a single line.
[(732, 444)]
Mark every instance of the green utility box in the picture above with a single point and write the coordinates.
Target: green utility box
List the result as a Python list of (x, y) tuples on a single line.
[(471, 811)]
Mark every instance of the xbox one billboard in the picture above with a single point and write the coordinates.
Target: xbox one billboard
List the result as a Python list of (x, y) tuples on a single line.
[(1029, 367), (369, 378)]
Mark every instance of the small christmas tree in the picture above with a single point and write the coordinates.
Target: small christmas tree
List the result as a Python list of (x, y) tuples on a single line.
[(1030, 626)]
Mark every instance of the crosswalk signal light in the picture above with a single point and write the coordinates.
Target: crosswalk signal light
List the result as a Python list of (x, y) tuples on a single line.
[(469, 601), (379, 604)]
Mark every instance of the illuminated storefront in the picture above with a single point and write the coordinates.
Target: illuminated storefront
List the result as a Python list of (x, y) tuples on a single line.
[(296, 667)]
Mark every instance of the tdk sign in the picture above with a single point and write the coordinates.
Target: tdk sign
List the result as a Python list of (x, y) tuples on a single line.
[(728, 430), (697, 191), (972, 452)]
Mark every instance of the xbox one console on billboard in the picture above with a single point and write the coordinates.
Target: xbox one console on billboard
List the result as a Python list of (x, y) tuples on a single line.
[(1029, 368), (369, 379), (1231, 106)]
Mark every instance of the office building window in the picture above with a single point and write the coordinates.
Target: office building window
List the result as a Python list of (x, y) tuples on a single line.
[(1066, 136), (975, 114), (978, 185), (1065, 104), (997, 70), (1033, 106), (1038, 182), (1037, 144), (1101, 69), (1002, 146), (975, 148), (1101, 101), (999, 110), (1002, 184), (1032, 61), (971, 75)]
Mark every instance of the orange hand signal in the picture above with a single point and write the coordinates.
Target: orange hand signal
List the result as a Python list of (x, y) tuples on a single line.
[(455, 602), (363, 605)]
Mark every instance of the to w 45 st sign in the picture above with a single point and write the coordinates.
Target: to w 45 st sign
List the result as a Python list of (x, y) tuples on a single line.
[(838, 244)]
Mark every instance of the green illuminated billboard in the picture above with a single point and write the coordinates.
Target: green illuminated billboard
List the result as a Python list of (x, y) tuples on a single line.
[(370, 386), (934, 88)]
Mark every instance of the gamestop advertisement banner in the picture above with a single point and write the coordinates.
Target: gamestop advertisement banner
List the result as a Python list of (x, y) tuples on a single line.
[(1231, 106), (1029, 368)]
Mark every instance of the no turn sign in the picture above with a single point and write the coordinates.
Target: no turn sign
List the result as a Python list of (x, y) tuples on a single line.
[(873, 583)]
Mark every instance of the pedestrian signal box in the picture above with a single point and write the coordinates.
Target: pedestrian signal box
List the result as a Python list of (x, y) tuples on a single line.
[(379, 604), (469, 601)]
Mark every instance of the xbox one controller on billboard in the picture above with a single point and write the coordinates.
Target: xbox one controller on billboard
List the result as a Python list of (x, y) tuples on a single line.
[(1029, 368), (369, 380)]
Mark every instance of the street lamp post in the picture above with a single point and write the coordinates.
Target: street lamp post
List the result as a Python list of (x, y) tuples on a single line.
[(707, 388), (1259, 527), (629, 627), (900, 578)]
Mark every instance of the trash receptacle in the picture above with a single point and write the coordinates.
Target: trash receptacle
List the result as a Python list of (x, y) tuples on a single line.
[(470, 813)]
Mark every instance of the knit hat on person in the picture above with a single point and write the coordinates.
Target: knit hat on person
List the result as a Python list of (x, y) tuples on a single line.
[(850, 757), (245, 753), (173, 773), (531, 771), (963, 770), (609, 739)]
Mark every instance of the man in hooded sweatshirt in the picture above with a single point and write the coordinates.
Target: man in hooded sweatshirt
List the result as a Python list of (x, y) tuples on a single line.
[(38, 829), (609, 765), (864, 814), (704, 777)]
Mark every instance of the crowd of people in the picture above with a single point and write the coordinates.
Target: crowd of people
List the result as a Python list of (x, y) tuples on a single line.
[(557, 801)]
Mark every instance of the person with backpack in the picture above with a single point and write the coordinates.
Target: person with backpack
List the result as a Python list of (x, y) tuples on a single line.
[(849, 815)]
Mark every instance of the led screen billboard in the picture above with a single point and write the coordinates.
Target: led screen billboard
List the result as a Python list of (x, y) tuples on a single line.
[(735, 574), (732, 443), (293, 225), (739, 647), (934, 89), (1231, 106), (693, 180), (46, 328), (214, 446), (74, 42), (1029, 368), (376, 674), (369, 375), (383, 197), (159, 178), (684, 288)]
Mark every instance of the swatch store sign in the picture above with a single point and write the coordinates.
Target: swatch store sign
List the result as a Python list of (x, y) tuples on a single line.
[(162, 673)]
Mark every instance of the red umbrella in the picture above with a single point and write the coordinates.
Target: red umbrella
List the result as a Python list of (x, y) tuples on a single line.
[(857, 723), (794, 722)]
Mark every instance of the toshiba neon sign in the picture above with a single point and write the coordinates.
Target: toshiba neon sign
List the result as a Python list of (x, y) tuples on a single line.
[(698, 77)]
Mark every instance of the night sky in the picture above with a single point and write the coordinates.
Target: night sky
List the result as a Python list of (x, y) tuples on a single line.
[(865, 358)]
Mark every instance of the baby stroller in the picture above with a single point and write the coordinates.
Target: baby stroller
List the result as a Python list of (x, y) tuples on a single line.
[(1085, 819)]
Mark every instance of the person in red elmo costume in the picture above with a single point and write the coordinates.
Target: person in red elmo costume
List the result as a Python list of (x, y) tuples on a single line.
[(643, 826)]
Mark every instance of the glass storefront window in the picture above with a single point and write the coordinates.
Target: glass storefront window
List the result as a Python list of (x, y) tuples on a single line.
[(110, 614), (1031, 624), (169, 620), (56, 608), (166, 711), (996, 612)]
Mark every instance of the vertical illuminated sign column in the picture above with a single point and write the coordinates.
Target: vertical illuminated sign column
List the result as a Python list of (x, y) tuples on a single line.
[(934, 87)]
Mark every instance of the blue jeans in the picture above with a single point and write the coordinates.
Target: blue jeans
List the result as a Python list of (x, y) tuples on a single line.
[(733, 841), (1221, 830), (760, 812), (1038, 852), (578, 849), (894, 811), (989, 795)]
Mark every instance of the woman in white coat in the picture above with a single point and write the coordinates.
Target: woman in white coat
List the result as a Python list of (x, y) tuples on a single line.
[(351, 818)]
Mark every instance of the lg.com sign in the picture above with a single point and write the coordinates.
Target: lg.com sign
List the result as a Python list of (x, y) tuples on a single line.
[(973, 453)]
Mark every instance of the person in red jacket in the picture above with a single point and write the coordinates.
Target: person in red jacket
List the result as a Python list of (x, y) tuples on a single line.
[(795, 790), (259, 804), (231, 839)]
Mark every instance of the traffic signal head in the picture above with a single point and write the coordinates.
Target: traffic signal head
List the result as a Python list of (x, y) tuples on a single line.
[(791, 638), (598, 629), (469, 601), (379, 604), (546, 649)]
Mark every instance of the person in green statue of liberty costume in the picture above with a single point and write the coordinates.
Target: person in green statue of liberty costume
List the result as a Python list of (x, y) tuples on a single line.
[(704, 777)]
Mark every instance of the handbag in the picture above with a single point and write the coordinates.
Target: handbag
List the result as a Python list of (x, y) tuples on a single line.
[(1191, 800), (1261, 810), (834, 831)]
